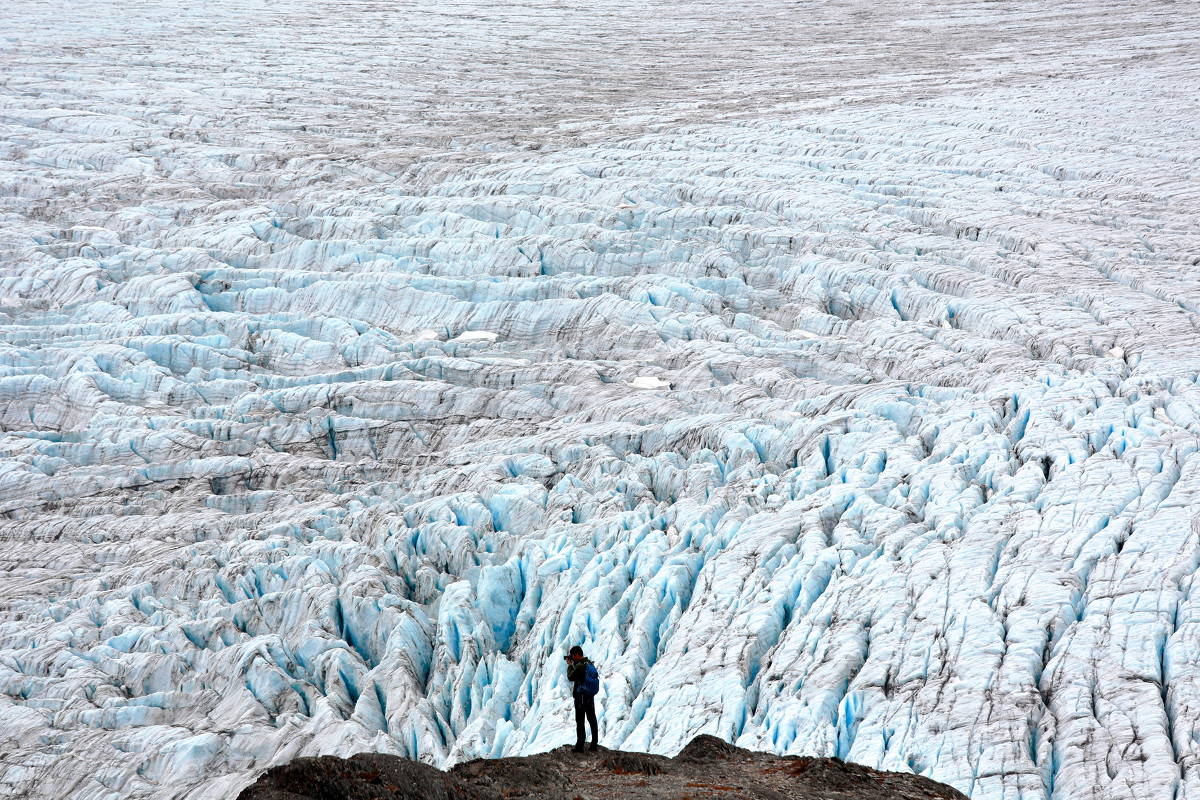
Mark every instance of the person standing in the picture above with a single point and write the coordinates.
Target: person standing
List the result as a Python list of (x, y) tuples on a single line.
[(581, 672)]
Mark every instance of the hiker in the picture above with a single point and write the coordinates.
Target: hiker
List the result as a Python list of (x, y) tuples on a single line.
[(582, 673)]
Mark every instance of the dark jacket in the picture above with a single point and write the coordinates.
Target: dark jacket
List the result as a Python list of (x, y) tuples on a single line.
[(577, 673)]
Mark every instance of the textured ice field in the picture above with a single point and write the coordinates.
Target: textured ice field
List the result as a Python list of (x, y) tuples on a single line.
[(828, 370)]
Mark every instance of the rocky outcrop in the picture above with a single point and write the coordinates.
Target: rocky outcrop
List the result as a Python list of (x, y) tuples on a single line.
[(706, 768)]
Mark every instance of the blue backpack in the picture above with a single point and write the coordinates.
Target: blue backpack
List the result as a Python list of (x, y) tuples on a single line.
[(591, 681)]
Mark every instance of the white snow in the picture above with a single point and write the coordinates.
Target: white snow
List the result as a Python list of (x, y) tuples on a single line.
[(907, 501), (477, 336)]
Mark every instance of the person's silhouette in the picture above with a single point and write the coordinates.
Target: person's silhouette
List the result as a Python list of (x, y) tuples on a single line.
[(586, 682)]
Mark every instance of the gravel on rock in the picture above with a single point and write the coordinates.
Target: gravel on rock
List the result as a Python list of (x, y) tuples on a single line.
[(707, 768)]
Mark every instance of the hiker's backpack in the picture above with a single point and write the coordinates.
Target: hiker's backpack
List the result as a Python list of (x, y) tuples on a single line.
[(591, 681)]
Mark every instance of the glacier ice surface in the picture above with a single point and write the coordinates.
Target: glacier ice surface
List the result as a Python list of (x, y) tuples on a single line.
[(828, 372)]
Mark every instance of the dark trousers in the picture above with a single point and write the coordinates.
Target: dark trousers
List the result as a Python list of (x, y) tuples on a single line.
[(585, 705)]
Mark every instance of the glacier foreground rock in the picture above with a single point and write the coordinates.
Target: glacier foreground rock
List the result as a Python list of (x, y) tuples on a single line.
[(706, 767), (830, 377)]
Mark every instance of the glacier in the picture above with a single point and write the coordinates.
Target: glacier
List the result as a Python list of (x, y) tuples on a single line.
[(829, 371)]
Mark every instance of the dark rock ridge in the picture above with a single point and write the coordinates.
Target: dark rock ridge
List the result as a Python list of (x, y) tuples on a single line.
[(706, 768)]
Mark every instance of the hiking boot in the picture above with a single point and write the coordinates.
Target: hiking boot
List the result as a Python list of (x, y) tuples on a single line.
[(578, 748), (594, 747)]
